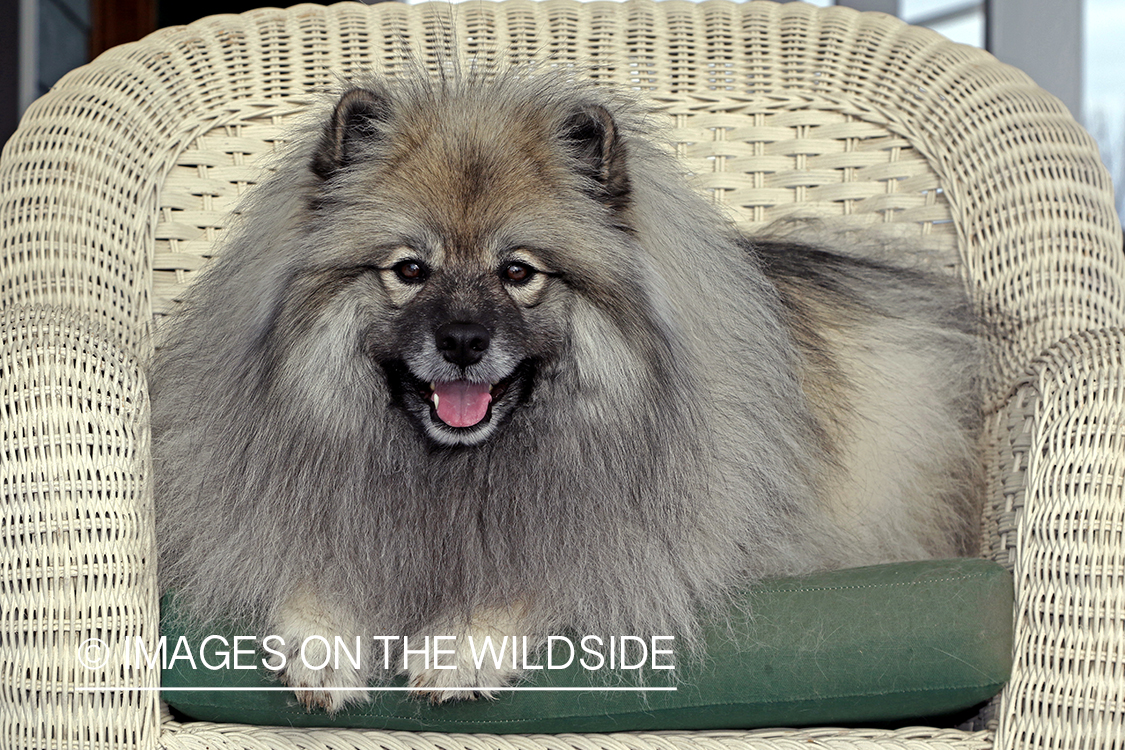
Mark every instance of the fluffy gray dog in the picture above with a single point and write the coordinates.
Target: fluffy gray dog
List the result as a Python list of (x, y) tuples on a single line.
[(478, 361)]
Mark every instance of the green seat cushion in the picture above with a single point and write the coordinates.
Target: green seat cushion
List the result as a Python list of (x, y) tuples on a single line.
[(869, 645)]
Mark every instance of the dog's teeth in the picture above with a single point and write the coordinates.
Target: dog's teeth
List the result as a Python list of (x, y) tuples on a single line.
[(435, 400)]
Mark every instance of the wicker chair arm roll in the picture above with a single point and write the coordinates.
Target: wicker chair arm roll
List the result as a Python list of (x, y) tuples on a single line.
[(1062, 477), (77, 530)]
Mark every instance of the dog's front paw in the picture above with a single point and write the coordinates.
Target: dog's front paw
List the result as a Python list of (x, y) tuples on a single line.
[(318, 675), (487, 642), (463, 682), (329, 688)]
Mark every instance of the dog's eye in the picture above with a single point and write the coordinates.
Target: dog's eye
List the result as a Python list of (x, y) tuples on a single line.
[(517, 273), (411, 271)]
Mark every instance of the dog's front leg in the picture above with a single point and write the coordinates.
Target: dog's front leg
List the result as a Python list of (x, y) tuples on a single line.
[(470, 660), (319, 636)]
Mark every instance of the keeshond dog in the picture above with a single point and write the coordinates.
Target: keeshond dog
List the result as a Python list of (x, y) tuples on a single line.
[(477, 360)]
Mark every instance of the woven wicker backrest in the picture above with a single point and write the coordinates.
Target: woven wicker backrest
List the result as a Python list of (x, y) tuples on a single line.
[(780, 109), (118, 186)]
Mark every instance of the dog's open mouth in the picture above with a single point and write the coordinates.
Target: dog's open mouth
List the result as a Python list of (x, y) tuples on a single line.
[(462, 403), (458, 411)]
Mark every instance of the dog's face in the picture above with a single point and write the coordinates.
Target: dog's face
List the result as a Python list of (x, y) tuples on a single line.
[(465, 236), (468, 333)]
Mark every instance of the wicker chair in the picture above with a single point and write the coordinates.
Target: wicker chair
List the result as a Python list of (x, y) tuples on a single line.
[(118, 184)]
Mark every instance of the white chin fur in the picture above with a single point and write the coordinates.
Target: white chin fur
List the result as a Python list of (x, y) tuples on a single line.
[(474, 436)]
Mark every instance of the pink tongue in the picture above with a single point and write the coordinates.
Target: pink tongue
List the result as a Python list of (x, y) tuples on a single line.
[(461, 403)]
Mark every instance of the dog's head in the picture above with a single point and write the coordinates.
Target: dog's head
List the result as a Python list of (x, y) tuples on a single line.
[(466, 224)]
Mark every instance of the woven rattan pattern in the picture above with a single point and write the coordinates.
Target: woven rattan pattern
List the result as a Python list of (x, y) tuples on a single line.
[(118, 184)]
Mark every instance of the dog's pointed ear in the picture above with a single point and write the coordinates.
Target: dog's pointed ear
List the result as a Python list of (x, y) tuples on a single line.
[(591, 135), (355, 120)]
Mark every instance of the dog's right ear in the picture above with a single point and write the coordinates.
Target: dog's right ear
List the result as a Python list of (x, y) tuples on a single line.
[(355, 120)]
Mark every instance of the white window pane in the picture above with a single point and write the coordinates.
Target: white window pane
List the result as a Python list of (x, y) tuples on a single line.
[(1104, 83), (964, 30)]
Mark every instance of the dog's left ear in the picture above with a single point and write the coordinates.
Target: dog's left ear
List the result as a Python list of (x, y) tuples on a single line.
[(592, 138), (356, 119)]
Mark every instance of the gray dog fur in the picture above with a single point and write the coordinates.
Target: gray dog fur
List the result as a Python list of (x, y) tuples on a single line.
[(681, 411)]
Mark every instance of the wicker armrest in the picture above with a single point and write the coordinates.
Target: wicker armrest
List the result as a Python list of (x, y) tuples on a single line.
[(1062, 474), (77, 528)]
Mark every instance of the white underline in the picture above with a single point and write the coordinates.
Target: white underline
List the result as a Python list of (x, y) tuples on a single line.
[(376, 689)]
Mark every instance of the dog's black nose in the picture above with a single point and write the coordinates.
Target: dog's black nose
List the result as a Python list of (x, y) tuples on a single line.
[(463, 344)]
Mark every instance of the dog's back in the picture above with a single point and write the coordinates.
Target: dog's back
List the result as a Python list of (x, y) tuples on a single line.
[(890, 358)]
